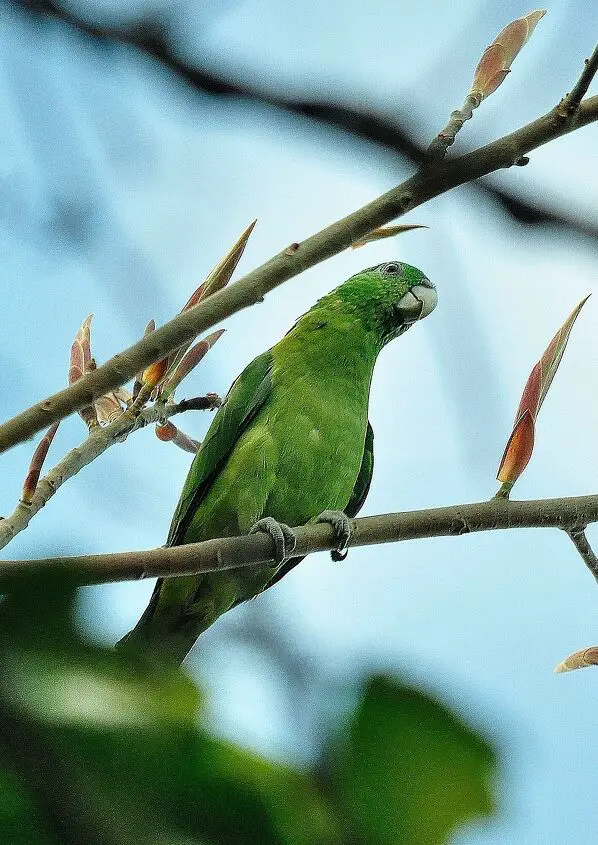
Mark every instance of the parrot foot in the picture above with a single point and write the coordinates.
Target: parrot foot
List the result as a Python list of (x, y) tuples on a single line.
[(342, 532), (282, 536)]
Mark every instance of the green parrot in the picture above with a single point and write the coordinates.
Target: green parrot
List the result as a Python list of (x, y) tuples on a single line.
[(290, 444)]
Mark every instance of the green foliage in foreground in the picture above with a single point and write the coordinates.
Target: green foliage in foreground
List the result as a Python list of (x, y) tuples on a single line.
[(98, 751)]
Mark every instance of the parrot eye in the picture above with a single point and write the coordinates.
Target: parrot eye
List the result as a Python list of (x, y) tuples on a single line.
[(391, 269)]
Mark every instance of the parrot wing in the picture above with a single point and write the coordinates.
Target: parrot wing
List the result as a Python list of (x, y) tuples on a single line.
[(245, 398), (364, 478)]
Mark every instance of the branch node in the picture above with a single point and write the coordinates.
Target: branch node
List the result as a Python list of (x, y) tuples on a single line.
[(459, 526)]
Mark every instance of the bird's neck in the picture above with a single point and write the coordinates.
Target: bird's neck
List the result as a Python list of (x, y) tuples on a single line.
[(336, 349)]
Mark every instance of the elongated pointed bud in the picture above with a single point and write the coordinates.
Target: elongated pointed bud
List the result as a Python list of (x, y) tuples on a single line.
[(520, 445), (36, 464), (84, 338), (579, 660), (76, 362), (518, 450), (223, 271), (216, 280), (189, 361), (137, 384), (386, 232), (81, 363), (152, 375), (497, 59)]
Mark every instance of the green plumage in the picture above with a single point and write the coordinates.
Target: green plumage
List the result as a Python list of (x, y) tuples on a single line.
[(288, 442)]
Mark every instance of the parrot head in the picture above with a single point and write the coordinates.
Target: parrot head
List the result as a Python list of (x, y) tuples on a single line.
[(388, 298)]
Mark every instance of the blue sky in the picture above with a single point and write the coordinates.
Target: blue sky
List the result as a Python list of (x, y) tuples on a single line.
[(164, 180)]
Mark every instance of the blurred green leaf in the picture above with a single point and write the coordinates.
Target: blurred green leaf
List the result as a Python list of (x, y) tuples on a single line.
[(206, 787), (101, 750), (19, 821), (94, 688), (413, 772)]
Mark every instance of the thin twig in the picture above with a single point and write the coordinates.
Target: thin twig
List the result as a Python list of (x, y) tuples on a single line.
[(446, 138), (570, 104), (248, 550), (98, 440), (582, 544), (252, 288)]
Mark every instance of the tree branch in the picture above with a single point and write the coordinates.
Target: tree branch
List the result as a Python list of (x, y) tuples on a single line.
[(249, 550), (582, 544), (447, 136), (150, 37), (421, 187), (98, 440), (572, 101)]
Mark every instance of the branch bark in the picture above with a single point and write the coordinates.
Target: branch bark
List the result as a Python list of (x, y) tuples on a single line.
[(572, 101), (249, 550), (424, 185), (582, 544)]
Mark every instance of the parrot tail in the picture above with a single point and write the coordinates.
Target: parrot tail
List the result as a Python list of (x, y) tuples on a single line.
[(154, 640)]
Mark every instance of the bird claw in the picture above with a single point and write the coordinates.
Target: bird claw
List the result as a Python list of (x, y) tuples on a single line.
[(282, 536), (342, 532)]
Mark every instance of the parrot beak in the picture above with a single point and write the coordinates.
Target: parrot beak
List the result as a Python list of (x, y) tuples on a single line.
[(418, 302)]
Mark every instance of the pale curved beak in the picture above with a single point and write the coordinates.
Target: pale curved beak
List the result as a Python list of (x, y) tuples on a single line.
[(418, 302)]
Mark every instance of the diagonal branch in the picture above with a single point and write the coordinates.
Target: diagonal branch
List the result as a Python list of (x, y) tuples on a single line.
[(251, 289), (249, 550), (97, 442), (572, 101), (582, 544)]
